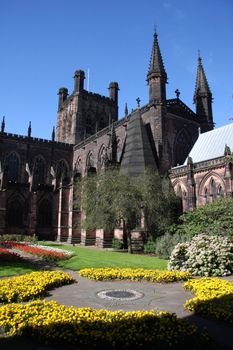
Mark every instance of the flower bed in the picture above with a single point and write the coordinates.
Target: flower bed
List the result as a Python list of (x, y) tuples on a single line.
[(31, 285), (6, 255), (45, 253), (103, 274), (100, 329), (214, 298)]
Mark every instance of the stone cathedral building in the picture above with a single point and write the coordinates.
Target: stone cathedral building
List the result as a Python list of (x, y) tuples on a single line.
[(37, 175)]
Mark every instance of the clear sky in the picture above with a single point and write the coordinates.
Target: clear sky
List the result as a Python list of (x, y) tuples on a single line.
[(44, 41)]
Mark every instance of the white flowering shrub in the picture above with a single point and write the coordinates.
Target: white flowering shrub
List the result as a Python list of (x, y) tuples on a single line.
[(203, 256)]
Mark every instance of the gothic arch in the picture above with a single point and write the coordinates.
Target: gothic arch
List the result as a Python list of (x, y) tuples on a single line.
[(182, 193), (208, 186), (12, 167), (62, 173), (15, 211), (102, 156), (90, 164), (182, 145), (39, 171)]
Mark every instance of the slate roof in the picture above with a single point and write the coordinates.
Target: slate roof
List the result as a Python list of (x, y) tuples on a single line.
[(211, 144), (138, 153)]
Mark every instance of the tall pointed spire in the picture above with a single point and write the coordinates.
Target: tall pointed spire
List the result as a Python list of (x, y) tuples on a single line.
[(156, 61), (156, 76), (203, 98), (202, 86)]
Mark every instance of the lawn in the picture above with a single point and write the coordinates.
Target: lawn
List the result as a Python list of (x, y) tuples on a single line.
[(86, 257), (15, 268)]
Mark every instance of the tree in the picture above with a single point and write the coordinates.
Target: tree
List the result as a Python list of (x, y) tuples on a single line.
[(214, 218), (112, 197)]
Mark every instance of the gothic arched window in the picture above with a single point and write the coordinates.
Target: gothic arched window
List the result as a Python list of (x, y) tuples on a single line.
[(44, 214), (39, 172), (213, 189), (62, 175), (12, 167), (206, 195), (15, 213), (220, 192)]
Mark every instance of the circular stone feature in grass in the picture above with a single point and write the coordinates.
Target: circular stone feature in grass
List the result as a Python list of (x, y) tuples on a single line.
[(119, 294)]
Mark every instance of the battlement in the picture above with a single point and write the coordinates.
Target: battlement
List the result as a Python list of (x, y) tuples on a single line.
[(97, 96), (34, 140)]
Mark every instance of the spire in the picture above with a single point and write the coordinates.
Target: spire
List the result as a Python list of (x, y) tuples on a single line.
[(53, 134), (29, 129), (3, 124), (203, 98), (126, 110), (202, 86), (156, 76), (156, 61)]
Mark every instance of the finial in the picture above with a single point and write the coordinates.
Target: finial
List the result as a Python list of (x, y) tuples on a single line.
[(3, 124), (53, 134), (199, 55), (155, 30), (29, 129), (126, 110), (138, 102), (177, 92)]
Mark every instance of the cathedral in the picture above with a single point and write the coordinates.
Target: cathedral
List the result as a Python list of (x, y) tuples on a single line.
[(37, 176)]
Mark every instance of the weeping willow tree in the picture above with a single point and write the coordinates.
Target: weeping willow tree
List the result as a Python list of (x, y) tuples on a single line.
[(112, 197)]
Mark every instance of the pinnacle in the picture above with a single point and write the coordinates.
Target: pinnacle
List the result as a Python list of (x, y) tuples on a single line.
[(202, 86), (156, 61)]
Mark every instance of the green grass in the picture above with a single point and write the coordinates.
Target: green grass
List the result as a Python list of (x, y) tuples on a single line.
[(15, 268), (86, 257)]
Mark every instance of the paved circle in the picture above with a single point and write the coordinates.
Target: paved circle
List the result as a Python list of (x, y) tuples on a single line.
[(119, 294)]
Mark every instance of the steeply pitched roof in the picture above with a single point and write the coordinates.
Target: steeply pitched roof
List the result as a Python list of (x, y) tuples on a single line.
[(211, 144), (156, 61), (138, 153)]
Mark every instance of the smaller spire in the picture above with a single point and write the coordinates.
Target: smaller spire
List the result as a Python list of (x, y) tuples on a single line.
[(138, 102), (202, 86), (126, 110), (53, 134), (29, 129), (3, 124)]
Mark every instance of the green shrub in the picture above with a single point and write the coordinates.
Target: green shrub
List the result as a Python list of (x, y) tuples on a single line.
[(18, 238), (166, 243), (213, 218), (117, 243), (203, 256), (150, 246)]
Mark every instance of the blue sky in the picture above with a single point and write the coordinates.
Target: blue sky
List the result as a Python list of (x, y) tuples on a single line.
[(43, 42)]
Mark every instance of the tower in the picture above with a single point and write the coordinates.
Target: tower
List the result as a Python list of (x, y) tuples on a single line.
[(156, 76), (203, 98)]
